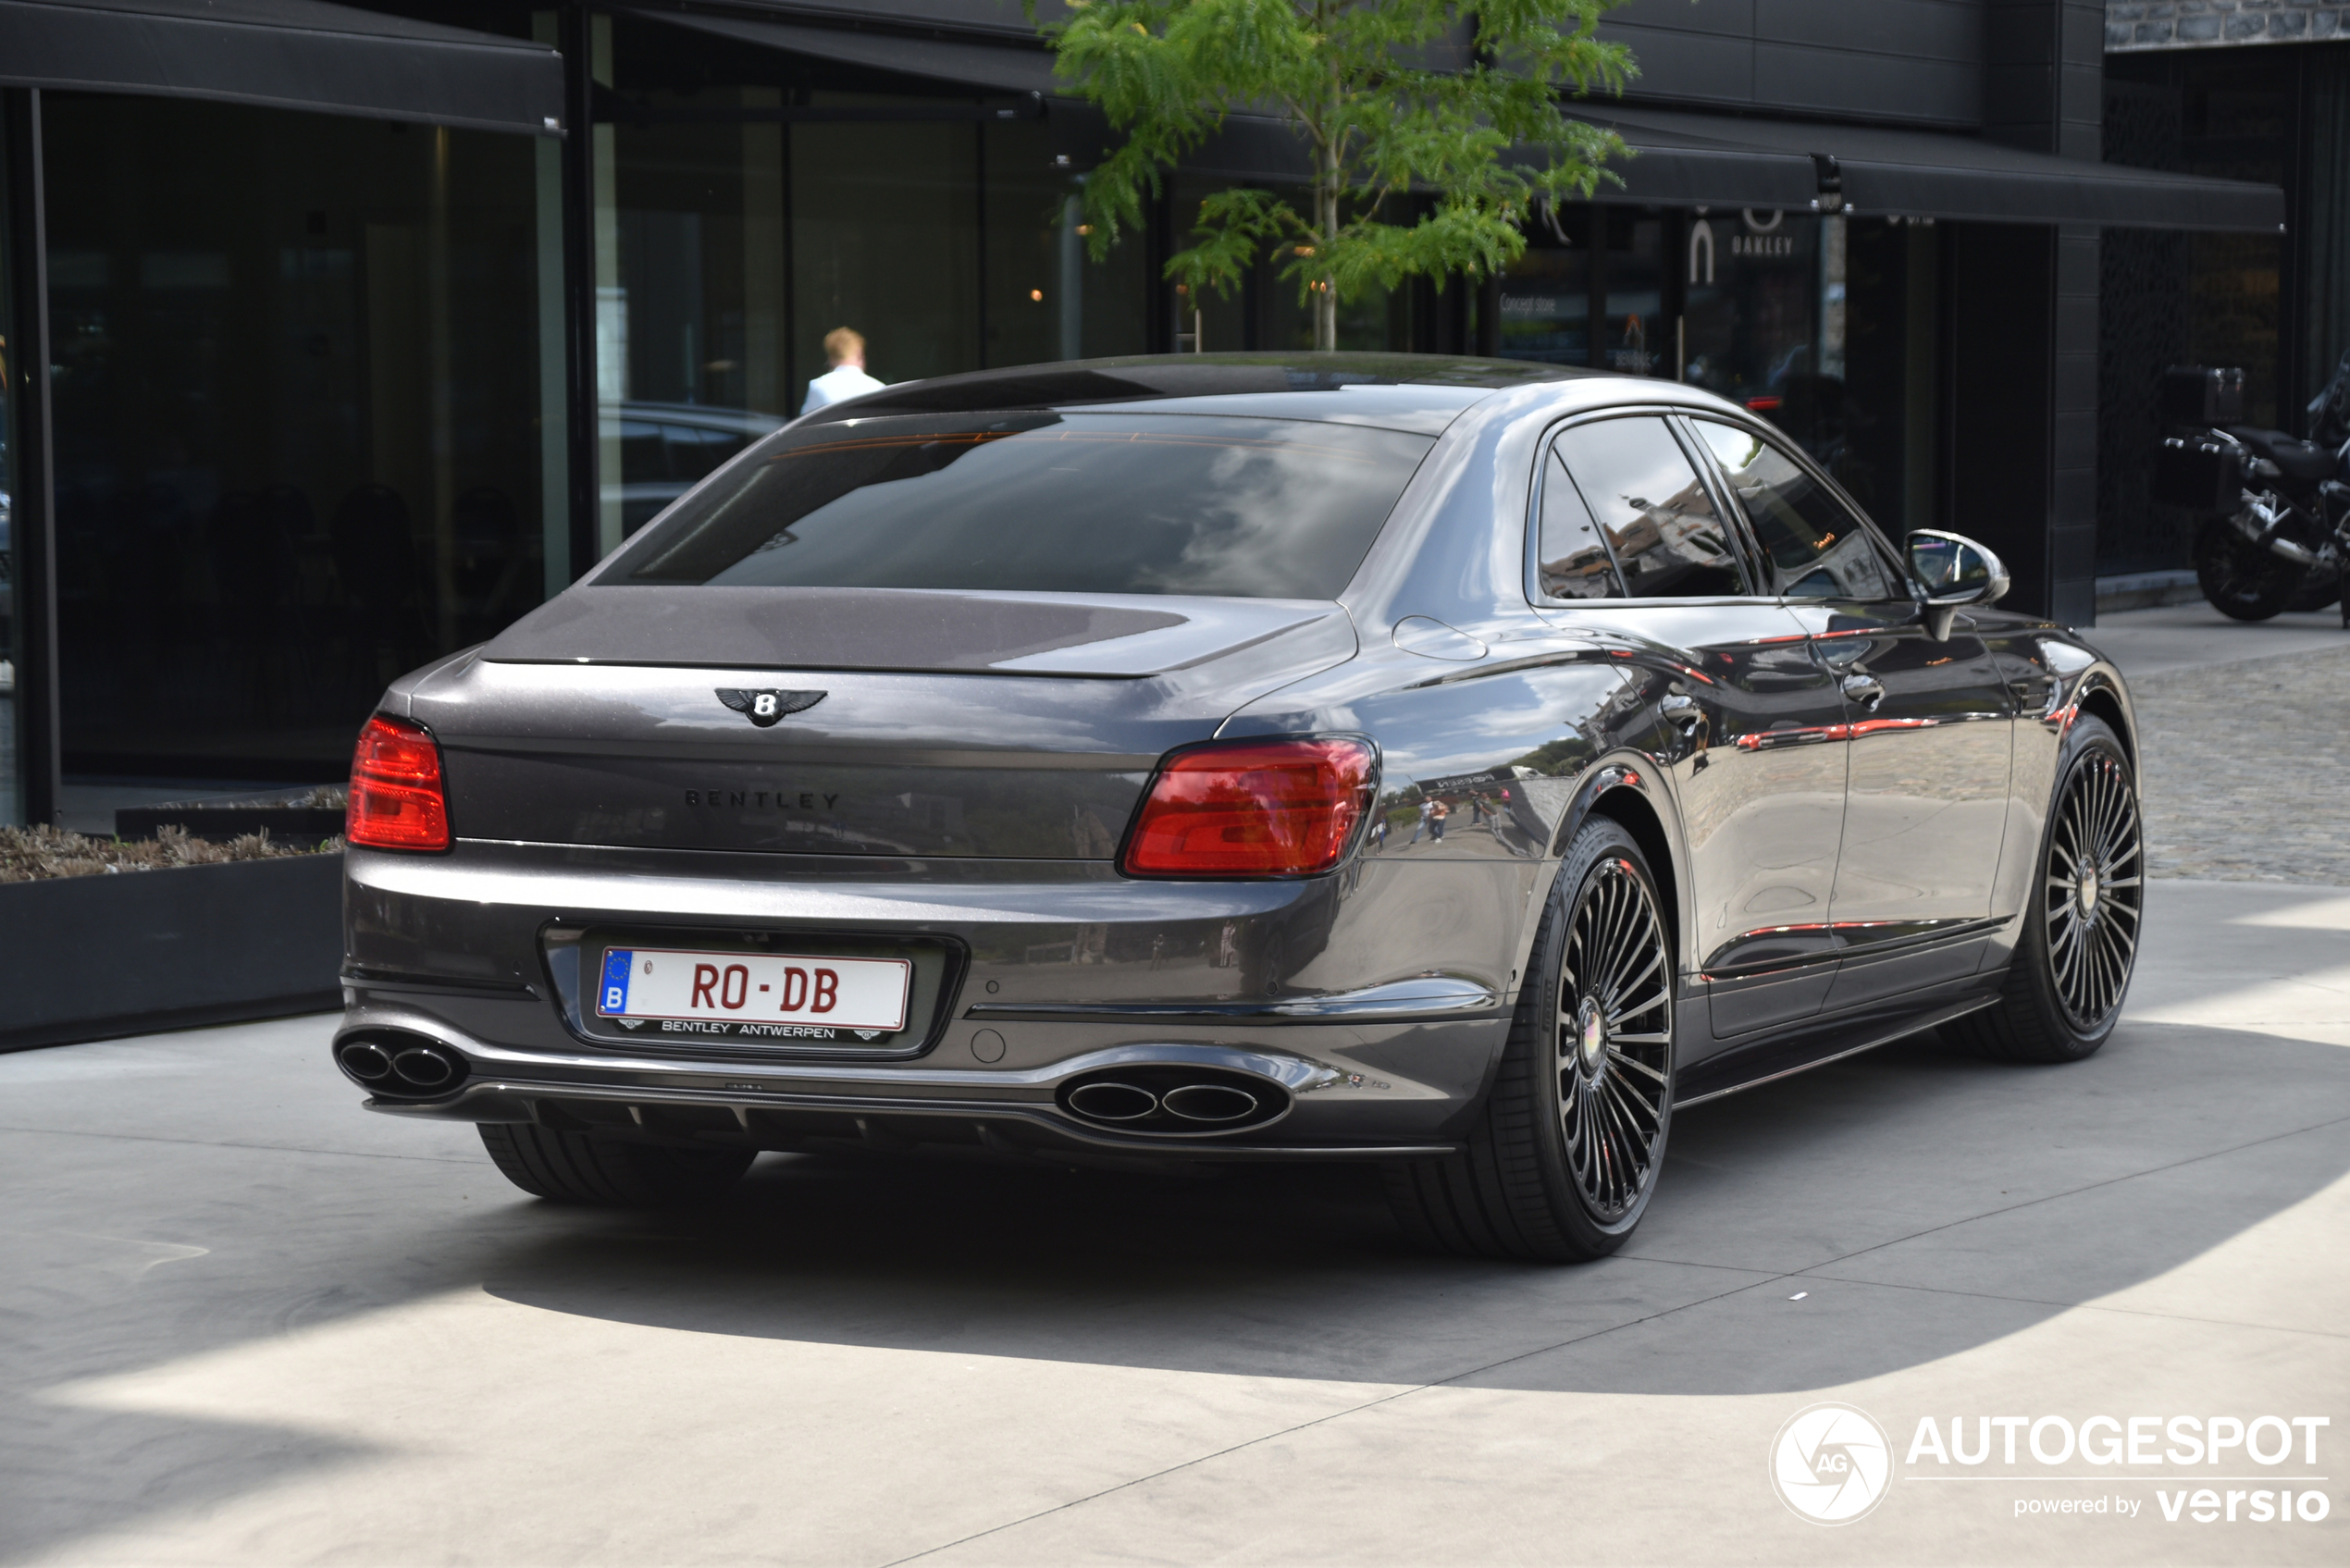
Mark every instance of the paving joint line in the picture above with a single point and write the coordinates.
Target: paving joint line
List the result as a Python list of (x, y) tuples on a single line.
[(1300, 1426), (2076, 1306), (207, 1143), (1581, 1338)]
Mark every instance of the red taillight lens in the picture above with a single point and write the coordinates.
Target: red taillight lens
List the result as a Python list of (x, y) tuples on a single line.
[(396, 796), (1252, 808)]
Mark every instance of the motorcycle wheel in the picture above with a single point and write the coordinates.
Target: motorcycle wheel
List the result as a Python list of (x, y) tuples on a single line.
[(2317, 593), (2243, 581)]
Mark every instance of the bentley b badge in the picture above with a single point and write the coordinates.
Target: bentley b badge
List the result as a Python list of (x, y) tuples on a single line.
[(763, 707)]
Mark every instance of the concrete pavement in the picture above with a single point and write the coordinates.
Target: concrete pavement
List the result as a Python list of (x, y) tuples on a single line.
[(2178, 636), (243, 1321)]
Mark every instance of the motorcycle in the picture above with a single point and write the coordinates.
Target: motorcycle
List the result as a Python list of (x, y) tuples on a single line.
[(2276, 533)]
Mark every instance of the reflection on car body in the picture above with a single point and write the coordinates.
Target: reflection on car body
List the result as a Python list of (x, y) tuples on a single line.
[(1452, 764)]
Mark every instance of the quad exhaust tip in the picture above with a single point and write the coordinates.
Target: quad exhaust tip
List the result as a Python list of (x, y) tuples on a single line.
[(1182, 1101), (390, 1062)]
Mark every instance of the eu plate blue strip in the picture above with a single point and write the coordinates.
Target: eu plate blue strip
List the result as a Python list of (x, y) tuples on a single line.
[(612, 997)]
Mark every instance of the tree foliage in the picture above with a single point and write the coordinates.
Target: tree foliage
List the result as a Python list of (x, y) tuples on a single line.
[(1463, 105)]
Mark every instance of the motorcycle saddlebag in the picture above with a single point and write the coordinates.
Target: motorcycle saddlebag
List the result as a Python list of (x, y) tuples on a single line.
[(2200, 473), (2200, 394)]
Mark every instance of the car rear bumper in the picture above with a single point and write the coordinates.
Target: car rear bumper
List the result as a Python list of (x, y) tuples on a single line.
[(1309, 993)]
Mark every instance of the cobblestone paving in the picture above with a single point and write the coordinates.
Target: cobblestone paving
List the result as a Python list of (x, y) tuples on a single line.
[(2246, 768)]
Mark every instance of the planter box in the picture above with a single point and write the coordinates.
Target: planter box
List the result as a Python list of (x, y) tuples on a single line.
[(99, 958), (302, 826)]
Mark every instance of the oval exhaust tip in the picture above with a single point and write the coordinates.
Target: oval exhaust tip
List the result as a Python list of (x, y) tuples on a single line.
[(426, 1069), (366, 1061), (1112, 1102), (1210, 1103)]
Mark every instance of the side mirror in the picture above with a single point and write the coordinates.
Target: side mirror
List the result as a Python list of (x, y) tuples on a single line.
[(1954, 571)]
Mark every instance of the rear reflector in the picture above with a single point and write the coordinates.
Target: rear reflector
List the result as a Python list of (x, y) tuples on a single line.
[(397, 801), (1252, 808)]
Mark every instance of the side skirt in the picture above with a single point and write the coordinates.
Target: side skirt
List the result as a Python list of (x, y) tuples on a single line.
[(1765, 1061)]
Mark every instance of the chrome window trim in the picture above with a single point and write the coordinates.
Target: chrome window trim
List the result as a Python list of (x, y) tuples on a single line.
[(1732, 518)]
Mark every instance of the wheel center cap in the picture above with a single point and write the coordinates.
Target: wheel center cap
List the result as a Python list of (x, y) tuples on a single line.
[(2089, 891), (1592, 1037)]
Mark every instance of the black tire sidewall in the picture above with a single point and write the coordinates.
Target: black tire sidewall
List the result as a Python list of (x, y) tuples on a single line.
[(1597, 841), (2087, 734)]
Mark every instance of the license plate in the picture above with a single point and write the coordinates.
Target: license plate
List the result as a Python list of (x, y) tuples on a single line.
[(752, 988)]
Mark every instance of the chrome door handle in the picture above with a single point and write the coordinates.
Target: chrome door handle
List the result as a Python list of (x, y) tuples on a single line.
[(1680, 708), (1866, 690)]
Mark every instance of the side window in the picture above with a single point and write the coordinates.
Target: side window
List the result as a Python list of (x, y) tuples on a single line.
[(1812, 544), (1573, 558), (1651, 508)]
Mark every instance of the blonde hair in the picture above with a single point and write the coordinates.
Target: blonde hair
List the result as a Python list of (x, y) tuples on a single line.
[(843, 344)]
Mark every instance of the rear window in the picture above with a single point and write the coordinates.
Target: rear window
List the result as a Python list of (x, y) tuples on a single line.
[(1041, 502)]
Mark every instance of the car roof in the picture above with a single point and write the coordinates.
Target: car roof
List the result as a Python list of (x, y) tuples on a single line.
[(1421, 392)]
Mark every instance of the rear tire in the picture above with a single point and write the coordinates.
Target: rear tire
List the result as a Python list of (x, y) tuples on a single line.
[(1563, 1154), (2320, 592), (2073, 960), (570, 1168), (2241, 580)]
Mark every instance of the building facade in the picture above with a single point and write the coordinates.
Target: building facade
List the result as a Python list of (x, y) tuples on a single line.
[(2243, 92), (339, 384)]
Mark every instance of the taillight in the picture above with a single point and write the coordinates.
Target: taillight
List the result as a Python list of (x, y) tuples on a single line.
[(1252, 808), (397, 801)]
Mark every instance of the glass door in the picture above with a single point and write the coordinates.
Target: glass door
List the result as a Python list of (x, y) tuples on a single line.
[(11, 746)]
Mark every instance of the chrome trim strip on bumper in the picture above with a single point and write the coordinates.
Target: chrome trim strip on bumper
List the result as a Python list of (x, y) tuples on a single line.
[(1431, 998)]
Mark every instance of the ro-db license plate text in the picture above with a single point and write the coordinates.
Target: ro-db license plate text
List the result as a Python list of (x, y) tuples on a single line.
[(644, 982)]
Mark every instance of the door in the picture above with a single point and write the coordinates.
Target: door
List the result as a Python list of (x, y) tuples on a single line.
[(1745, 717), (1927, 729)]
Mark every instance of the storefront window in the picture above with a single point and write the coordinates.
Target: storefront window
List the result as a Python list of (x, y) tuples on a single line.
[(298, 439), (1751, 333), (1546, 294), (751, 202), (1635, 336), (11, 657)]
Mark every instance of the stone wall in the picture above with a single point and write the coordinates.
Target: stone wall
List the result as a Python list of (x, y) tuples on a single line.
[(2202, 24)]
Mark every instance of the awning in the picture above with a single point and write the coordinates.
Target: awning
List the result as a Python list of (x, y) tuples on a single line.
[(986, 67), (1723, 160), (284, 55)]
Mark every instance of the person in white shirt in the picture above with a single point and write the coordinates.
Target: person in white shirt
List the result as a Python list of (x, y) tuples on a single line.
[(845, 352)]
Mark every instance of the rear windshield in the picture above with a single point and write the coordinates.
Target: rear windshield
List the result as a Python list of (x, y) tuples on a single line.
[(1042, 503)]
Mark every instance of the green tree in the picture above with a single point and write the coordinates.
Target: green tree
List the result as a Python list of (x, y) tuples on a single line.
[(1367, 86)]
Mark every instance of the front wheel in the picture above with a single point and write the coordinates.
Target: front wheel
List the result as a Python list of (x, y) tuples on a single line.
[(2241, 580), (1562, 1161), (2080, 940)]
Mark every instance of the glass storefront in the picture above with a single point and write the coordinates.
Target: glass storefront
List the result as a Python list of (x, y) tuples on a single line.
[(752, 202), (298, 424), (11, 657), (1822, 325)]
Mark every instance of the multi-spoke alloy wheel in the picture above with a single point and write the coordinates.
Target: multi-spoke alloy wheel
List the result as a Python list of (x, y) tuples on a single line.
[(1560, 1164), (2080, 938), (1614, 1035), (2091, 899)]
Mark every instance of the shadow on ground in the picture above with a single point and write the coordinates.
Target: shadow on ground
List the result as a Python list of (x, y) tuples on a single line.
[(1299, 1273), (1932, 1203)]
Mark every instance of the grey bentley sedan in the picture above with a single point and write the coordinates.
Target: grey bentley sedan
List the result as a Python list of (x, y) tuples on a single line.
[(1455, 765)]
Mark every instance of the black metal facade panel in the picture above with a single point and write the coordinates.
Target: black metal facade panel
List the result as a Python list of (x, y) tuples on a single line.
[(1913, 61), (945, 15), (284, 54), (1943, 93), (1000, 67)]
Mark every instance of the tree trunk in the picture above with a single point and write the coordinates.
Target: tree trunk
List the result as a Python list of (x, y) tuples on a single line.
[(1326, 220)]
